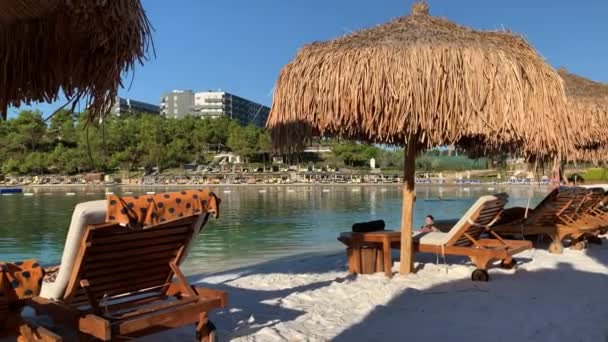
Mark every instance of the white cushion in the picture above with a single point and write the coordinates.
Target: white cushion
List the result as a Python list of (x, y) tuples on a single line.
[(85, 214), (438, 239), (432, 238)]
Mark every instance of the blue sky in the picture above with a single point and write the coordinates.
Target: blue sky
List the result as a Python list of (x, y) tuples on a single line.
[(241, 45)]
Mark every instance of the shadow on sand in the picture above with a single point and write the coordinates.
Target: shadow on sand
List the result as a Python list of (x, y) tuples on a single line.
[(254, 313), (555, 303)]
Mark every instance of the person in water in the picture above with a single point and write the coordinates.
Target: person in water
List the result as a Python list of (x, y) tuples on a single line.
[(429, 225)]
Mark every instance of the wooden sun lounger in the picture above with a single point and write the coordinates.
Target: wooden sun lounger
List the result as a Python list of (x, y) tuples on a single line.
[(463, 239), (565, 212), (122, 284), (598, 213), (584, 223)]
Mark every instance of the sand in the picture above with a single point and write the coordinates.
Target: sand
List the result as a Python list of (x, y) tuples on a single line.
[(312, 298)]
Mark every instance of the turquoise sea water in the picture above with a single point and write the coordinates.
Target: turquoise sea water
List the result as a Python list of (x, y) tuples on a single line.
[(257, 223)]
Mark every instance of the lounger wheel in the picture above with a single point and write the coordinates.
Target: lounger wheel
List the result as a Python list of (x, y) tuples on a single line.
[(579, 245), (556, 247), (208, 333), (480, 275), (507, 265)]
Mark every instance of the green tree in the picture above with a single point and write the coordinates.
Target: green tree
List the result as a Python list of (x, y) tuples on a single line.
[(355, 154), (30, 129), (35, 162), (243, 140), (62, 128), (152, 143)]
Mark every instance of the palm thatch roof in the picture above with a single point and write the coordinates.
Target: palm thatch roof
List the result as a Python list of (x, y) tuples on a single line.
[(425, 77), (596, 156), (78, 47), (588, 102)]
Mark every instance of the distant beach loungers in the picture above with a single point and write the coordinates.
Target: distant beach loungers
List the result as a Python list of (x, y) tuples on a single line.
[(248, 179)]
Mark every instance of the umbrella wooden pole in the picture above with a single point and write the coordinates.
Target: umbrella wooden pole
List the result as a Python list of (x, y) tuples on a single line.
[(409, 174)]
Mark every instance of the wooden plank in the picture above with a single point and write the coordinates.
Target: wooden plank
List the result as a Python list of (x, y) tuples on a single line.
[(120, 277), (142, 259), (128, 303), (168, 319), (126, 290), (115, 229), (140, 234), (74, 281), (31, 332), (130, 254), (116, 300), (202, 292), (112, 289), (181, 279), (137, 244), (128, 267), (155, 307), (96, 326)]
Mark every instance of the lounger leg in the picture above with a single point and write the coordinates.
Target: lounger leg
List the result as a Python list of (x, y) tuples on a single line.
[(508, 263), (31, 333), (578, 244), (388, 258), (205, 330), (481, 262), (356, 268)]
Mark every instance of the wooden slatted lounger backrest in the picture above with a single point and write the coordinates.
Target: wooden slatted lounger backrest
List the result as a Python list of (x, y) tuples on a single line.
[(476, 223), (559, 200), (594, 197), (581, 196), (117, 261)]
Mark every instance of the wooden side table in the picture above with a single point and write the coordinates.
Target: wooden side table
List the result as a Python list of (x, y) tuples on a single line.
[(380, 239)]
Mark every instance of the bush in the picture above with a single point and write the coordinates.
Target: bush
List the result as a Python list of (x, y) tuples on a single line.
[(595, 174)]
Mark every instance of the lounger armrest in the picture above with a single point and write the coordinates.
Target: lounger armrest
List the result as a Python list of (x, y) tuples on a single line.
[(203, 292)]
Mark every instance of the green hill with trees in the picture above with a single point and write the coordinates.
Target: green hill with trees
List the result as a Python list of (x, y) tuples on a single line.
[(67, 144)]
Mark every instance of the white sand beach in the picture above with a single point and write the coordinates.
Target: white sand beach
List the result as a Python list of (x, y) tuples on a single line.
[(312, 298)]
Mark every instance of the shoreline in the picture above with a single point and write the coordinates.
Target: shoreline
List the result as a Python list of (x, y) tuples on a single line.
[(451, 185)]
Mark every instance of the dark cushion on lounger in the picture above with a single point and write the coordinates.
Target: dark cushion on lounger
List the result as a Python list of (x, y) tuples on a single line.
[(371, 226)]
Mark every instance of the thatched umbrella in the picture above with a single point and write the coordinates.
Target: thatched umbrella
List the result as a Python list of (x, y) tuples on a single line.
[(588, 102), (421, 81), (78, 47)]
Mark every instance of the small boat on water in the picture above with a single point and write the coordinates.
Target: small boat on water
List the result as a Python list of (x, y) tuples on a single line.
[(10, 191)]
